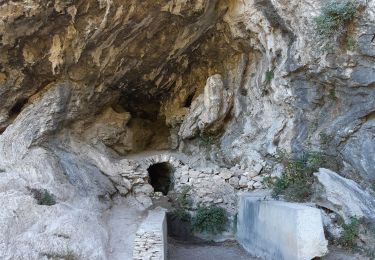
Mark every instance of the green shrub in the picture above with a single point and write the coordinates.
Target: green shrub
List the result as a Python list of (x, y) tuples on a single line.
[(43, 197), (332, 94), (182, 198), (299, 190), (325, 138), (68, 256), (212, 220), (334, 17), (279, 186), (208, 139), (351, 43), (269, 76), (268, 181), (297, 178), (182, 203), (182, 214), (373, 189), (350, 232)]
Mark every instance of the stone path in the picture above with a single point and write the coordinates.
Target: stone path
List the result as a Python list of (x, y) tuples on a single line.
[(123, 221), (181, 251)]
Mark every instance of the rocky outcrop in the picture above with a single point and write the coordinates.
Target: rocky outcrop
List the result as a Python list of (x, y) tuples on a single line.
[(85, 85), (343, 196), (208, 110)]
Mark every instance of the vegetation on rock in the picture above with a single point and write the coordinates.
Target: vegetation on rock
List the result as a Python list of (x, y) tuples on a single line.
[(269, 76), (182, 204), (297, 179), (350, 232), (43, 197), (373, 189), (212, 220), (334, 18)]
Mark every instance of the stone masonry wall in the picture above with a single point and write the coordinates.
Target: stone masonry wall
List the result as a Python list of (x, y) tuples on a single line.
[(150, 242), (208, 186)]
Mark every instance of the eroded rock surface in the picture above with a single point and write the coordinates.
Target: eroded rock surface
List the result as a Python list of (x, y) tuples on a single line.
[(208, 110), (89, 88), (344, 196)]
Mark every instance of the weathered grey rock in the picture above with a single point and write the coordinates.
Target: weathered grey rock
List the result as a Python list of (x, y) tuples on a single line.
[(209, 109), (343, 196), (331, 225), (359, 151), (243, 181), (225, 174), (234, 181), (83, 83), (278, 230), (250, 184)]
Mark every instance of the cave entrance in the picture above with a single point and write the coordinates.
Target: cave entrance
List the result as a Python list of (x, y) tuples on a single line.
[(160, 177)]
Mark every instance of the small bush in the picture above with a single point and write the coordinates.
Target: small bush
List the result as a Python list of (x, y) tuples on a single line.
[(68, 256), (181, 204), (279, 186), (334, 17), (373, 189), (269, 76), (298, 191), (268, 181), (212, 220), (43, 197), (350, 232), (297, 178), (351, 43), (325, 138), (332, 94), (208, 139), (181, 214), (182, 198)]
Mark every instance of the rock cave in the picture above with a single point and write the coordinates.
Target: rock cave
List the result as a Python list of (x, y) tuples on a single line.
[(244, 122)]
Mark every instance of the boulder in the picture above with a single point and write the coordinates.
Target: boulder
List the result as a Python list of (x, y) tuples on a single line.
[(343, 196), (209, 110)]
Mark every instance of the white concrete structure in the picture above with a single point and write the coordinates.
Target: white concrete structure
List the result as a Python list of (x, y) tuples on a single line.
[(276, 230), (151, 238)]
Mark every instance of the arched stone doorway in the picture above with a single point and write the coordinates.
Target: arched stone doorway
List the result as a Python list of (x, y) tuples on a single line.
[(161, 177)]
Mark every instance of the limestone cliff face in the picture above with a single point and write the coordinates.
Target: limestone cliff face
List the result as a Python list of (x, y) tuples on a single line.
[(86, 84)]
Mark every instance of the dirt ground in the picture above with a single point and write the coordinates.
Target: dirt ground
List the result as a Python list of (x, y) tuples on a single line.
[(218, 251)]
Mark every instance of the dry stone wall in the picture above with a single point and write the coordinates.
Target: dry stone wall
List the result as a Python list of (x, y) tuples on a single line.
[(227, 82), (151, 238), (218, 186)]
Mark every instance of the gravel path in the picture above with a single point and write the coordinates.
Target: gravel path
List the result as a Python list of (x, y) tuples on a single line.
[(181, 251)]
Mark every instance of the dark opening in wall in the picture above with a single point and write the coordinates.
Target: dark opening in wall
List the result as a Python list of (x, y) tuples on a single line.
[(17, 108), (13, 113), (189, 100), (160, 177)]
